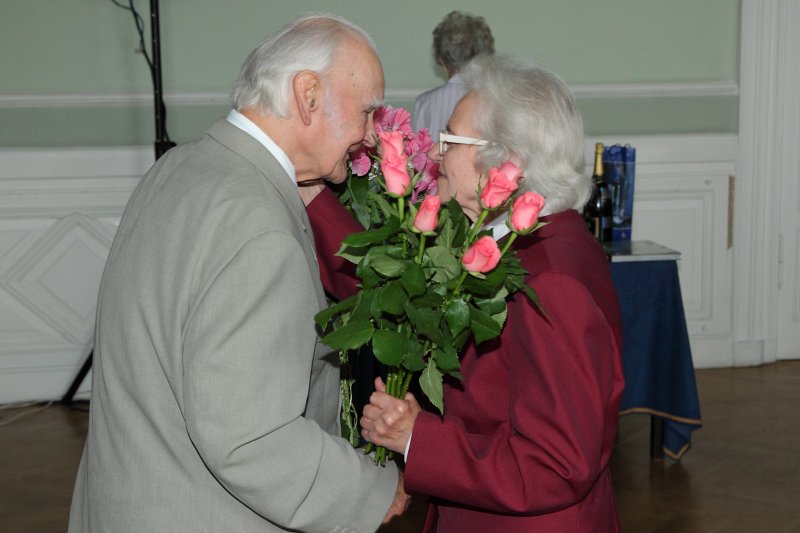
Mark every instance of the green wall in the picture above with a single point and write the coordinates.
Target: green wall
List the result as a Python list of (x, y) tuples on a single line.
[(70, 74)]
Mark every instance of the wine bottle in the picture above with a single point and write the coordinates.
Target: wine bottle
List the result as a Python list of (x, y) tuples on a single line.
[(597, 212)]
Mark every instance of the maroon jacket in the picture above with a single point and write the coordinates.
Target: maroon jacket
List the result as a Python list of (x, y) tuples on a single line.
[(525, 441)]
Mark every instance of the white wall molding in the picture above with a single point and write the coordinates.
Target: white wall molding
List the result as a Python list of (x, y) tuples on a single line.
[(768, 154), (625, 90)]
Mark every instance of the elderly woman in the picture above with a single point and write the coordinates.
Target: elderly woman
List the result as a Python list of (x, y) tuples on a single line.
[(525, 440)]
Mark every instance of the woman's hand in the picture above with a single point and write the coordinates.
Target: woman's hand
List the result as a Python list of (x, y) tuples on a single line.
[(388, 421)]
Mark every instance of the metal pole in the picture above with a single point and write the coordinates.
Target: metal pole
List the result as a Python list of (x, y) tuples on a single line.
[(161, 143)]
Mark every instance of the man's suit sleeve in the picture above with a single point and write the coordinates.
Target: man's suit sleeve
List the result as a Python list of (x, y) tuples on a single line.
[(331, 223), (248, 351), (547, 454)]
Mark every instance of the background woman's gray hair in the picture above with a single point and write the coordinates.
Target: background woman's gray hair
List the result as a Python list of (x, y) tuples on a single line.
[(526, 110), (459, 37), (308, 43)]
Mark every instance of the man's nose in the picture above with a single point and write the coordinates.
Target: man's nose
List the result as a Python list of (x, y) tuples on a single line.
[(370, 138)]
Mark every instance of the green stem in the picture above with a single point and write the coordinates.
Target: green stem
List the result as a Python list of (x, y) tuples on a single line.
[(477, 226), (406, 384), (460, 281), (422, 241), (508, 243)]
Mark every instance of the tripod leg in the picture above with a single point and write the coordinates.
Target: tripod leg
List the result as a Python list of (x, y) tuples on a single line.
[(67, 399)]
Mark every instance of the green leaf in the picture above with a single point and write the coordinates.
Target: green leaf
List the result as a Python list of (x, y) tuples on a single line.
[(415, 359), (446, 232), (369, 278), (323, 317), (461, 223), (363, 307), (426, 322), (430, 300), (497, 276), (350, 336), (457, 316), (372, 236), (483, 326), (496, 304), (354, 255), (479, 287), (456, 374), (391, 299), (446, 264), (446, 359), (500, 317), (358, 187), (535, 299), (461, 339), (413, 280), (389, 266), (390, 347), (386, 209), (515, 274), (431, 382)]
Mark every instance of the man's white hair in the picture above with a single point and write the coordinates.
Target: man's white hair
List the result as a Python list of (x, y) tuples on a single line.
[(307, 43)]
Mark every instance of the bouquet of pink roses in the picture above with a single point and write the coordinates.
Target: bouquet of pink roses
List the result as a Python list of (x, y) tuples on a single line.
[(430, 281)]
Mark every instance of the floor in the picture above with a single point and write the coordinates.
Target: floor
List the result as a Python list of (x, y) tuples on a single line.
[(741, 475)]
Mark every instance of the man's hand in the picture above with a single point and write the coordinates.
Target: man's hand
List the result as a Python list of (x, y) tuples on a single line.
[(401, 500)]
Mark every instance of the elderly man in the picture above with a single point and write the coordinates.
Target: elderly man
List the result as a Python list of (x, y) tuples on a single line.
[(214, 406)]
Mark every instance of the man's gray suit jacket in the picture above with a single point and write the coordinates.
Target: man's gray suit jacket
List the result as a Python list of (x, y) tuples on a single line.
[(214, 407)]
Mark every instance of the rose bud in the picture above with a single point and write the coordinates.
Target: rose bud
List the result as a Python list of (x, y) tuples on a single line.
[(427, 217), (482, 256), (525, 212), (503, 181)]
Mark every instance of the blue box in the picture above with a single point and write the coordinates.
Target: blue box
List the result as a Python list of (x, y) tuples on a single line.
[(619, 168)]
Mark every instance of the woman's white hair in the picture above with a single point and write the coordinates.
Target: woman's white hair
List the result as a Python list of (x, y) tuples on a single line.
[(307, 43), (527, 111)]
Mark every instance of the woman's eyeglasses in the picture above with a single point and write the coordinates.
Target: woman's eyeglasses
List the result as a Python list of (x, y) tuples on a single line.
[(446, 138)]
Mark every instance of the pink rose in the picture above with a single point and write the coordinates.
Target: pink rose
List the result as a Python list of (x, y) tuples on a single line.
[(394, 162), (388, 118), (417, 149), (428, 184), (503, 181), (427, 217), (525, 212), (392, 142), (360, 161), (482, 256)]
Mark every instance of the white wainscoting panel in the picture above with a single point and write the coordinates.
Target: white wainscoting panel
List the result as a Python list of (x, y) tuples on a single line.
[(59, 211), (681, 201)]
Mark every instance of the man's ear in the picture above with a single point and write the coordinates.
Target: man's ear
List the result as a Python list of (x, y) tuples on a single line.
[(307, 89)]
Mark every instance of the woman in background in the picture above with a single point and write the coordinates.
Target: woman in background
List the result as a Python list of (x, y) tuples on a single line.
[(456, 40)]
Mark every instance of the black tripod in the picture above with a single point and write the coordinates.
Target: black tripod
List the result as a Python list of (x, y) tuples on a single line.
[(162, 144)]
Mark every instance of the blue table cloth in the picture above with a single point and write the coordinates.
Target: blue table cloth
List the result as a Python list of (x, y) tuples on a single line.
[(657, 359)]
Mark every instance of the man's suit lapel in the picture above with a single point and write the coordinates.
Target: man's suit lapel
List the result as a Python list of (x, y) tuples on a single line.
[(246, 146), (250, 149)]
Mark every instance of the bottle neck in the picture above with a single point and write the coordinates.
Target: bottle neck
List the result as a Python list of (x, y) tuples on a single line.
[(598, 162)]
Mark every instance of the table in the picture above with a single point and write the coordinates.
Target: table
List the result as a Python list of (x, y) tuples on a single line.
[(657, 358)]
